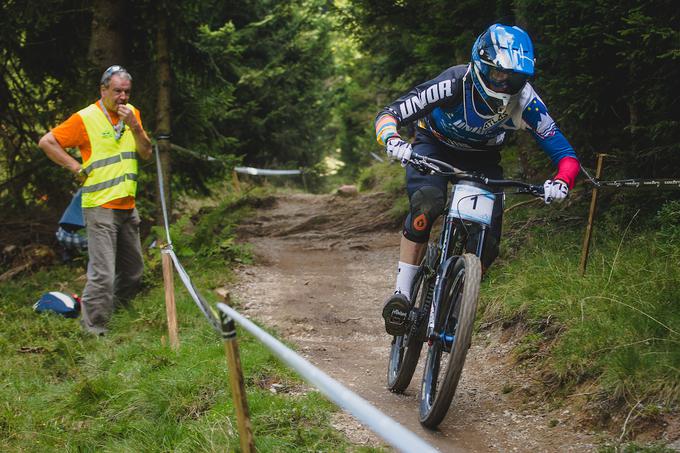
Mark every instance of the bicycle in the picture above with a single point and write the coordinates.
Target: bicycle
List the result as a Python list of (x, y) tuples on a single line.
[(445, 290)]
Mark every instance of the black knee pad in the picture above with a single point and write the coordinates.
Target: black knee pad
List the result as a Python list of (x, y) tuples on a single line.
[(427, 203)]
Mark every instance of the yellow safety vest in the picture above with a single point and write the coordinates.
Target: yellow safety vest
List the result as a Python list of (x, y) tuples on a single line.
[(112, 167)]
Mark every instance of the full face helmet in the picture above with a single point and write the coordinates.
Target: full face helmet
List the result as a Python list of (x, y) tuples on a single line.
[(502, 62)]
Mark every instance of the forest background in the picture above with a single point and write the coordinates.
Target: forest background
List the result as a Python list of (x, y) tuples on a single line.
[(288, 84), (285, 84)]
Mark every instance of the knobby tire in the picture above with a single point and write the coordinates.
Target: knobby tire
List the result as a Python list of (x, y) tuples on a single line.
[(440, 392)]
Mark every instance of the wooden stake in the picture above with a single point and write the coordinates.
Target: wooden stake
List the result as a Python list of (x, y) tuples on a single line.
[(170, 309), (237, 383), (235, 181), (591, 217)]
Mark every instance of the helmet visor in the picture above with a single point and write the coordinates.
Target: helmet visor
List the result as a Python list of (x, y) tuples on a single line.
[(509, 82)]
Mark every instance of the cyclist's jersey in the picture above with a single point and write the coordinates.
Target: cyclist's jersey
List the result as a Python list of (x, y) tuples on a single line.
[(444, 106)]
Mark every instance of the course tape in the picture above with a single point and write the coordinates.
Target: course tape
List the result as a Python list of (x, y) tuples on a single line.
[(637, 183), (392, 432), (265, 172), (200, 302), (632, 182), (161, 191)]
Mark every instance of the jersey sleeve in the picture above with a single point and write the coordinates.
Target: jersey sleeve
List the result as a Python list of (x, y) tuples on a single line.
[(415, 104), (543, 128)]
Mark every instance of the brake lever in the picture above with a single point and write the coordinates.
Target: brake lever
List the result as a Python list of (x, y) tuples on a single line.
[(421, 166)]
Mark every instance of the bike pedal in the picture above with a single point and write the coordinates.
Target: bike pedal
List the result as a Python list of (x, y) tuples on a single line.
[(397, 314)]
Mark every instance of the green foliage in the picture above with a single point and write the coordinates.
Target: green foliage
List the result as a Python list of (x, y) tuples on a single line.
[(667, 240), (282, 111), (38, 76), (65, 390), (615, 328), (610, 64), (387, 177)]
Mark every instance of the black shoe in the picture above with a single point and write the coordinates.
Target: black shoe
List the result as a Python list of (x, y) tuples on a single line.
[(396, 314)]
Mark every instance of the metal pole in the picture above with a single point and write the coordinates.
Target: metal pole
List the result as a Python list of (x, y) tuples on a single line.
[(170, 308), (236, 381), (591, 217)]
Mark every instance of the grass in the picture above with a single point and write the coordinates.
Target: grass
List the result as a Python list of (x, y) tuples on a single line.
[(62, 390), (614, 333)]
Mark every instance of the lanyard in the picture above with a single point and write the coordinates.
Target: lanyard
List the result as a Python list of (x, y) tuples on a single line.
[(117, 128)]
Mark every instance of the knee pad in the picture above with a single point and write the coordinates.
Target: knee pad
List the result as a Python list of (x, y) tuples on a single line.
[(427, 203)]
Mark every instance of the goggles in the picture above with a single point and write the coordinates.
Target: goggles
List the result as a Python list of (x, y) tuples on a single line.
[(501, 81)]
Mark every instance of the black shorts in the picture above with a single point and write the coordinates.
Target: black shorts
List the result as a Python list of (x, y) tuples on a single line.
[(485, 162)]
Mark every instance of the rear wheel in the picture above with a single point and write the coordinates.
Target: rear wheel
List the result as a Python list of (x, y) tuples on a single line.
[(405, 349), (451, 339)]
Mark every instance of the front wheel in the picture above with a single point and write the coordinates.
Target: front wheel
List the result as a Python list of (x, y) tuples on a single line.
[(452, 336)]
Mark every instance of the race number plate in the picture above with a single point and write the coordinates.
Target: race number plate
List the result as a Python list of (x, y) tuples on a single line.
[(472, 203)]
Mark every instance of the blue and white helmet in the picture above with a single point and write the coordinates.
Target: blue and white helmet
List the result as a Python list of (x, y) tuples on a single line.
[(502, 62)]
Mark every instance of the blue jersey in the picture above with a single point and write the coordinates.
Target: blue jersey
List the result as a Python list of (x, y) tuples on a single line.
[(445, 107)]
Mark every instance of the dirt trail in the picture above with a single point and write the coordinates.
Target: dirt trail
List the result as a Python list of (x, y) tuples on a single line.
[(324, 265)]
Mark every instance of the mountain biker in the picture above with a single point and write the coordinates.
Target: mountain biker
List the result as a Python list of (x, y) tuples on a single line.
[(463, 117)]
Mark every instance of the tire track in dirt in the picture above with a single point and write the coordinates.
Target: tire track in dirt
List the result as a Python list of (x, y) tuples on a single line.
[(324, 265)]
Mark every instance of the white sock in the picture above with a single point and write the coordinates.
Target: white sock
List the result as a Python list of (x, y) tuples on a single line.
[(405, 274)]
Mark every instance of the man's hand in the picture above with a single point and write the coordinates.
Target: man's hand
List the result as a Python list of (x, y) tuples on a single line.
[(398, 149), (80, 175), (554, 190), (126, 114), (142, 142)]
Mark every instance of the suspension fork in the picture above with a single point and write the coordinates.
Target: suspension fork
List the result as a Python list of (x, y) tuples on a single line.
[(450, 236)]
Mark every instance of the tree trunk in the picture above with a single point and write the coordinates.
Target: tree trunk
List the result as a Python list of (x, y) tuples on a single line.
[(106, 41), (163, 110)]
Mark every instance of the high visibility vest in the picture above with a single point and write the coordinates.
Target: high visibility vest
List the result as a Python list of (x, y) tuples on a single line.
[(112, 167)]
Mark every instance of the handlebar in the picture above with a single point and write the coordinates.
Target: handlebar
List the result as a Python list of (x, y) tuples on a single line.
[(428, 165)]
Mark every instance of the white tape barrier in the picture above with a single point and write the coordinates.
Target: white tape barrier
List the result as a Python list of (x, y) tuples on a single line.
[(392, 432), (200, 303), (376, 157), (265, 172)]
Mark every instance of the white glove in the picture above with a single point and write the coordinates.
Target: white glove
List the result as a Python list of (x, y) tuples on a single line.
[(398, 149), (554, 190)]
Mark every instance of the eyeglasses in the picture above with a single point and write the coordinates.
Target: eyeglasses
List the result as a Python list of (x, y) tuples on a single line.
[(110, 71)]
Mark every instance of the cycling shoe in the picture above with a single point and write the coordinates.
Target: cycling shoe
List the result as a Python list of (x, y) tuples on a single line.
[(396, 314)]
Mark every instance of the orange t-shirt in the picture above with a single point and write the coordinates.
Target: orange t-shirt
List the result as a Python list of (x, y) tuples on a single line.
[(72, 134)]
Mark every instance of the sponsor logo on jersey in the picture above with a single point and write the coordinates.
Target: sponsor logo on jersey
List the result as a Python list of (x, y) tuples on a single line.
[(463, 126), (495, 120), (431, 95)]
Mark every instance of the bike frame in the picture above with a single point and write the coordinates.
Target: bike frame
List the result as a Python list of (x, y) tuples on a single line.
[(446, 288), (455, 233)]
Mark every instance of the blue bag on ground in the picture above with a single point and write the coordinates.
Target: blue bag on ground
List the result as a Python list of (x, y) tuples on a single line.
[(54, 301)]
